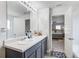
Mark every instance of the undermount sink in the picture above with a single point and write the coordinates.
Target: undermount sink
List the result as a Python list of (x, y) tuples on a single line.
[(23, 42), (26, 41)]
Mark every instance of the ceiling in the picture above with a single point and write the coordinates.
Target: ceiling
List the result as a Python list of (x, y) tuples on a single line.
[(44, 4), (15, 8), (51, 4)]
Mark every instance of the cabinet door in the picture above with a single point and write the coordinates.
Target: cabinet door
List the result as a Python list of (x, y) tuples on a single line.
[(30, 51), (45, 46), (38, 52), (13, 54), (32, 55)]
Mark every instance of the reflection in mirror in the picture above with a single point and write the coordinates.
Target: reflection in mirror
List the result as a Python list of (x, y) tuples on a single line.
[(18, 19)]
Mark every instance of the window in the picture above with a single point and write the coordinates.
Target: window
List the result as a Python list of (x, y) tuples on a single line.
[(58, 27), (8, 24)]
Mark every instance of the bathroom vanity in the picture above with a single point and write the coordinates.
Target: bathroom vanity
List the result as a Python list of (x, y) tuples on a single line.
[(35, 47)]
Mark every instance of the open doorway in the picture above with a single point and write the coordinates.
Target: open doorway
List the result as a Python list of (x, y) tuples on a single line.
[(58, 35), (27, 25)]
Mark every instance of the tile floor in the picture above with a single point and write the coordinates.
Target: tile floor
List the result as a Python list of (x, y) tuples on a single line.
[(50, 56), (58, 45)]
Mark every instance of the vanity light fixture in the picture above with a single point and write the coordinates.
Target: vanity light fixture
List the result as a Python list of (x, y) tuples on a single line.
[(28, 6)]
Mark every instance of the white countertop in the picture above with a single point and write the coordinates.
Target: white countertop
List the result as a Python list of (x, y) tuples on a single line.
[(22, 45)]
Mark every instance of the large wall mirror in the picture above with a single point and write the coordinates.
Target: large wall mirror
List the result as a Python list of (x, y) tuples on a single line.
[(18, 19)]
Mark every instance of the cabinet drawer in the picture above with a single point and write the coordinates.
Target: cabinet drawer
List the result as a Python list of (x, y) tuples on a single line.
[(38, 52), (32, 50), (29, 51), (32, 55)]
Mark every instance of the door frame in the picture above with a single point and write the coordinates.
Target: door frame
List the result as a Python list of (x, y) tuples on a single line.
[(64, 26)]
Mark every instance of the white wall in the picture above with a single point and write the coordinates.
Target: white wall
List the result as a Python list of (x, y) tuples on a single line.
[(61, 10), (34, 22), (44, 20), (2, 19), (40, 23), (19, 25), (44, 24), (58, 19), (2, 25), (26, 16)]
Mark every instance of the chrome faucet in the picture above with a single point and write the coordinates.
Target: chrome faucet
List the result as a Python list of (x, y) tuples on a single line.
[(29, 34)]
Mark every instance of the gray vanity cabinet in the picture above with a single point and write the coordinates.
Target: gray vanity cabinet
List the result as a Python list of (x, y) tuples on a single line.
[(32, 55), (36, 51), (44, 47), (9, 53)]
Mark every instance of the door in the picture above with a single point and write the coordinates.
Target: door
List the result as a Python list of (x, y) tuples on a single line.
[(68, 33), (27, 25)]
